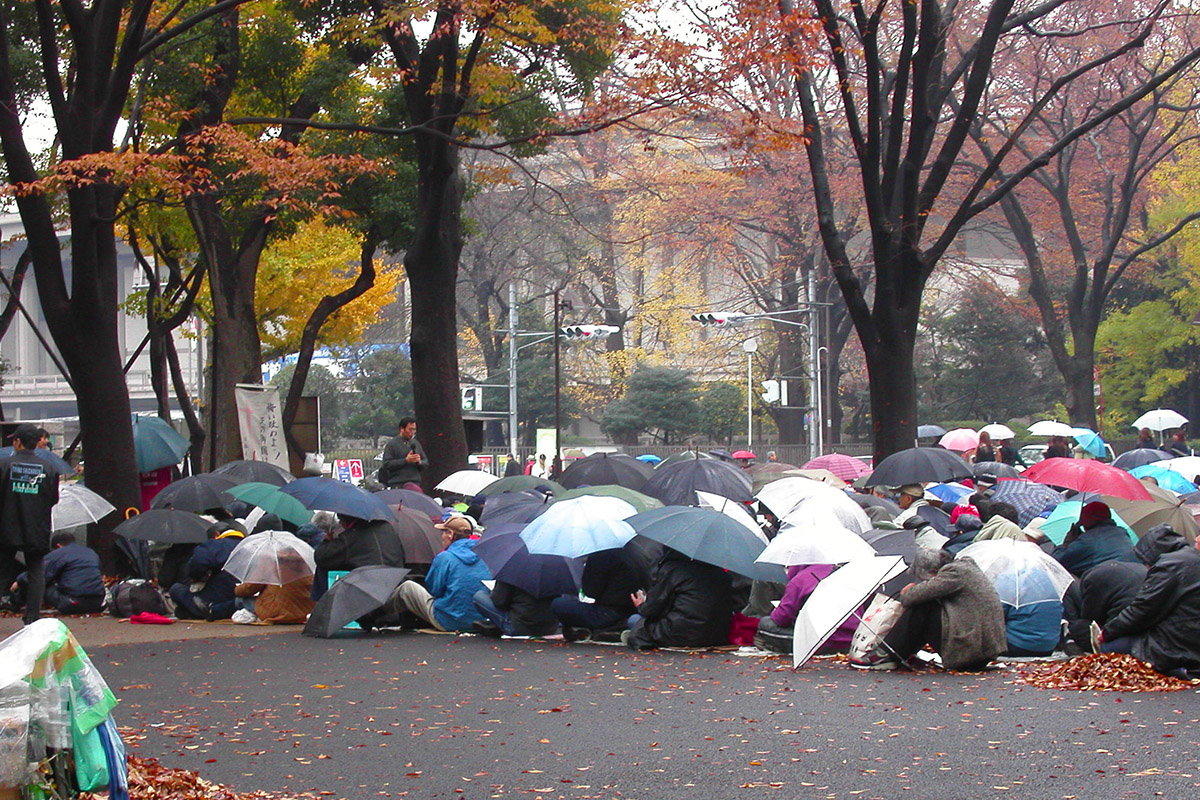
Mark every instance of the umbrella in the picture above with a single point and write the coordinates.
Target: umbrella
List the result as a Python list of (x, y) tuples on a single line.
[(196, 493), (1187, 466), (1166, 478), (801, 501), (1160, 419), (676, 484), (1050, 427), (165, 525), (156, 444), (821, 476), (256, 471), (870, 500), (848, 468), (919, 465), (273, 557), (649, 458), (639, 501), (1028, 498), (607, 469), (421, 540), (519, 507), (735, 511), (993, 469), (837, 597), (410, 499), (960, 440), (762, 474), (268, 497), (1142, 515), (1066, 514), (1022, 572), (998, 432), (579, 526), (891, 542), (1090, 442), (746, 454), (704, 535), (1087, 475), (519, 483), (78, 505), (509, 559), (686, 455), (339, 497), (1143, 456), (929, 431), (721, 454), (469, 482), (814, 544), (46, 456), (360, 592), (950, 493)]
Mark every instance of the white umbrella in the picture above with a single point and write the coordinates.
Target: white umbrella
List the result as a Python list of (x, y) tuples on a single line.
[(998, 431), (1050, 427), (836, 598), (814, 544), (1022, 572), (274, 557), (733, 510), (801, 501), (78, 505), (1160, 419), (579, 526), (1187, 466), (469, 482)]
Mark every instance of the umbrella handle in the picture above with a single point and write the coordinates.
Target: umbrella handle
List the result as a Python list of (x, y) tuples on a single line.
[(131, 512)]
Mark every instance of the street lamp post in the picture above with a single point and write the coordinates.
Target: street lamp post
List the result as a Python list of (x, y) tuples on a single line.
[(750, 346)]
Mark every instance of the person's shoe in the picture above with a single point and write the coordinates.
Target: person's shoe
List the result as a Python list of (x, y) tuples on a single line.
[(878, 662), (572, 634), (485, 628), (1095, 630), (626, 637)]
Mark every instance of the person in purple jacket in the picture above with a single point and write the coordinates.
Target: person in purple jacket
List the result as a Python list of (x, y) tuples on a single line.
[(775, 630)]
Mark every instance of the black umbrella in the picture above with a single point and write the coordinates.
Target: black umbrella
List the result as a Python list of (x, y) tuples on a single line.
[(326, 494), (521, 483), (165, 525), (686, 455), (721, 454), (919, 465), (1140, 458), (676, 484), (410, 499), (871, 501), (993, 469), (506, 555), (607, 469), (357, 594), (197, 493), (892, 542), (255, 471), (421, 540), (514, 507)]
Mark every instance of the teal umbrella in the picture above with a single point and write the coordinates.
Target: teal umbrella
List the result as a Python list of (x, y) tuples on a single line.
[(1090, 441), (1166, 478), (268, 497), (1066, 514), (156, 444)]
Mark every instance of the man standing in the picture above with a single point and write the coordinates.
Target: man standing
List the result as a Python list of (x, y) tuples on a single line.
[(28, 490), (403, 457)]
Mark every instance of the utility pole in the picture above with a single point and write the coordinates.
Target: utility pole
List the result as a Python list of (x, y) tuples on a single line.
[(512, 369)]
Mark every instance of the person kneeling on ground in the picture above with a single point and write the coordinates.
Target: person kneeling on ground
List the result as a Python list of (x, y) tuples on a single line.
[(210, 595), (689, 604), (289, 604), (456, 574), (512, 611), (610, 580), (775, 631), (951, 607), (74, 584)]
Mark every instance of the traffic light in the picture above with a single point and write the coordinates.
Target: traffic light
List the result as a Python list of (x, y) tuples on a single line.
[(720, 319), (771, 391), (588, 331), (470, 398)]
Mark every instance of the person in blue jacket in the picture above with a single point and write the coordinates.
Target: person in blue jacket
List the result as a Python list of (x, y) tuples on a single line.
[(456, 574), (74, 584), (214, 599)]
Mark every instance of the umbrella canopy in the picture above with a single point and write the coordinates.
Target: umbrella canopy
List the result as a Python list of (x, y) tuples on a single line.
[(993, 469), (1028, 498), (929, 431), (268, 497), (579, 526), (519, 483), (814, 544), (1187, 466), (762, 474), (743, 454), (998, 432), (78, 505), (1051, 427), (509, 559), (1022, 572), (738, 512), (649, 458), (469, 482), (871, 501), (46, 456), (1066, 514), (1166, 478), (1142, 515), (702, 534), (919, 465), (273, 557), (821, 476), (607, 469), (165, 525), (686, 455), (1090, 442), (410, 499), (1160, 419), (196, 493), (950, 493), (421, 540), (890, 542), (848, 468), (514, 507), (326, 494), (1143, 456), (255, 471), (960, 440), (800, 501), (360, 592), (676, 484), (156, 444), (836, 598), (1087, 475), (639, 501)]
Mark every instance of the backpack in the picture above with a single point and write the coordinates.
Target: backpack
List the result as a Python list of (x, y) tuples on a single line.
[(135, 596)]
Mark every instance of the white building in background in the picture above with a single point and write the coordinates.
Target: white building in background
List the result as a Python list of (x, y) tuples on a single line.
[(34, 388)]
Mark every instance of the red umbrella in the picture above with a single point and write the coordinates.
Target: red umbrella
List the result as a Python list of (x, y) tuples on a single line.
[(845, 467), (744, 454), (1087, 475)]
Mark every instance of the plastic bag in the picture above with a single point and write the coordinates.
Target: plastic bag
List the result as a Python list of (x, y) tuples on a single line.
[(91, 763), (14, 735), (876, 624)]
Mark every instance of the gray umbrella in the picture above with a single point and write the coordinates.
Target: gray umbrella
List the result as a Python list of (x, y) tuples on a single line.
[(164, 525), (360, 592), (676, 484), (919, 465), (702, 534)]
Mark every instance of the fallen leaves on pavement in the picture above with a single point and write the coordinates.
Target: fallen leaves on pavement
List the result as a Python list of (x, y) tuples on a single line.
[(150, 780), (1103, 672)]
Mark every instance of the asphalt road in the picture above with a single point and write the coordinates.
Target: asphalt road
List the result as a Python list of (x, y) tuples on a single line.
[(425, 716)]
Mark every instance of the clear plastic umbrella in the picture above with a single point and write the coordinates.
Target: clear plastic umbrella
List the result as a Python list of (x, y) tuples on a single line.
[(78, 505), (1022, 572), (469, 482), (802, 501), (814, 544), (274, 557)]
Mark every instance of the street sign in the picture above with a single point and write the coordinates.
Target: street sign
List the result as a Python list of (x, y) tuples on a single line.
[(348, 470)]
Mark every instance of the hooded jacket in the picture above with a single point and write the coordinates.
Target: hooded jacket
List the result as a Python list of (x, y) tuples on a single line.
[(689, 604), (454, 577), (1164, 616), (1109, 588), (972, 616), (1095, 546)]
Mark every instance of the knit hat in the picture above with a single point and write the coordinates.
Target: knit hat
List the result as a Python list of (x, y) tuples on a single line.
[(1094, 513)]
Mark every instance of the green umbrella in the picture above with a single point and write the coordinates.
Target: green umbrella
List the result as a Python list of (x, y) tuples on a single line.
[(636, 499), (268, 497), (156, 444), (519, 483)]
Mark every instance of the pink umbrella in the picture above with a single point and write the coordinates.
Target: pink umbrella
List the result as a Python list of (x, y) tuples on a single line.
[(960, 440), (1087, 475), (744, 454), (845, 467)]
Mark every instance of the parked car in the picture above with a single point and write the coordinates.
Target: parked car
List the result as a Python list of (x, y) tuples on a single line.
[(1033, 453)]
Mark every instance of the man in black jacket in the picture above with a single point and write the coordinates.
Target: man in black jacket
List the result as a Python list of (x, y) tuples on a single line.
[(28, 490), (403, 457), (1109, 588), (361, 543), (610, 580), (689, 604)]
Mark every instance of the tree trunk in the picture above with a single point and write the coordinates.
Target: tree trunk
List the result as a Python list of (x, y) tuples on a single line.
[(893, 392), (1078, 376)]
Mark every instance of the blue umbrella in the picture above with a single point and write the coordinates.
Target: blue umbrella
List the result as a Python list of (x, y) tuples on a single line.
[(1066, 514), (339, 497), (410, 499), (506, 555), (950, 493), (580, 526), (1090, 441), (156, 444), (704, 535), (649, 458), (1165, 477), (47, 457)]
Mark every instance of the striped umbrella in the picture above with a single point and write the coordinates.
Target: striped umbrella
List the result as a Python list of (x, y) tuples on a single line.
[(1028, 498)]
